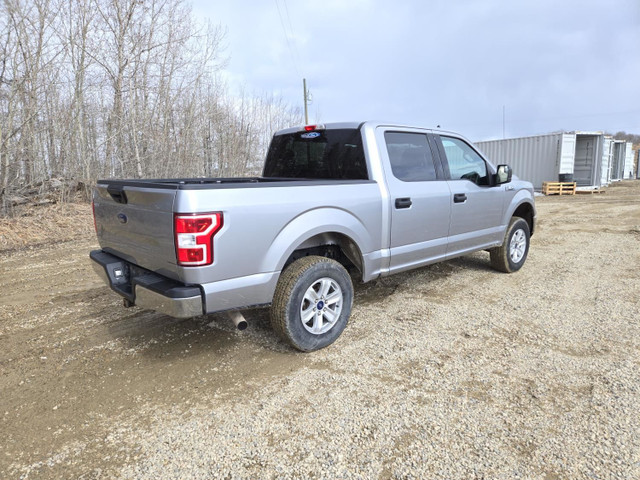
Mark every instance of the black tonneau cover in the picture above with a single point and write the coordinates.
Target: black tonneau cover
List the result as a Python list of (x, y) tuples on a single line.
[(239, 182)]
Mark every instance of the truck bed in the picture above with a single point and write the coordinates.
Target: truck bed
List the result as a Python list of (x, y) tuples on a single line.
[(135, 219)]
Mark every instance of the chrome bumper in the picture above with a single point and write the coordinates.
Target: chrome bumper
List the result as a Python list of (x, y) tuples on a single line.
[(175, 307)]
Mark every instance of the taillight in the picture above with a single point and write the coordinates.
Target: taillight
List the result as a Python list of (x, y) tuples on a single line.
[(93, 209), (194, 237)]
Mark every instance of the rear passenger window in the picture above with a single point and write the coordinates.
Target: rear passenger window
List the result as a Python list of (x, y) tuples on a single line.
[(410, 156), (464, 162)]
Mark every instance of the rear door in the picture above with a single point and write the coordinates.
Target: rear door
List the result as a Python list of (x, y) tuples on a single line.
[(476, 206), (419, 197)]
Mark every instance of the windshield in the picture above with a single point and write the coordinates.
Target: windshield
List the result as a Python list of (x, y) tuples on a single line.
[(321, 154)]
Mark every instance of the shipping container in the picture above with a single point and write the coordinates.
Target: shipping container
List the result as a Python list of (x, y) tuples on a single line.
[(628, 161), (565, 156)]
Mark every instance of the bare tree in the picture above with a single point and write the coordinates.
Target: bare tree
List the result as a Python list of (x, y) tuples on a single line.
[(126, 88), (29, 54)]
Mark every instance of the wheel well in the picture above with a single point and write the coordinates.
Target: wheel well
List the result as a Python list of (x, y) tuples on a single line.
[(333, 245), (525, 211)]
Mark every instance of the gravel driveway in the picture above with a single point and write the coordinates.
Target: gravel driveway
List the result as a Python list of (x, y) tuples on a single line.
[(450, 371)]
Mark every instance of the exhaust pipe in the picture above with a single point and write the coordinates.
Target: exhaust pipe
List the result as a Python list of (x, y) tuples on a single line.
[(238, 320)]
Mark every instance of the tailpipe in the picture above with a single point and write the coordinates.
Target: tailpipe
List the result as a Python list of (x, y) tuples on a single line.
[(238, 320)]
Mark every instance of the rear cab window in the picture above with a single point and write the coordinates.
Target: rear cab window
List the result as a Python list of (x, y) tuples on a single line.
[(320, 154)]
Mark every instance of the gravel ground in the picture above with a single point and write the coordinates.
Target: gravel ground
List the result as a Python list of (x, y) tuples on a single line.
[(450, 371)]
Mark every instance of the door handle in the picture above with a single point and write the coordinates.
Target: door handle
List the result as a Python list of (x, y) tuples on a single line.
[(117, 193), (403, 202), (459, 198)]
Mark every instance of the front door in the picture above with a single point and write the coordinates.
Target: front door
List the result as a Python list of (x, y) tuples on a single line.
[(476, 206)]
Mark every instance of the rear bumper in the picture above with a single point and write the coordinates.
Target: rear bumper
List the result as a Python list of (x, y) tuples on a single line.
[(147, 289)]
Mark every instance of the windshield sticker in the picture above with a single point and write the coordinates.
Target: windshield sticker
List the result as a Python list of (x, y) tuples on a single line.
[(310, 135)]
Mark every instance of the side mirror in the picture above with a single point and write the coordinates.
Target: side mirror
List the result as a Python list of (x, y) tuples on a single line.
[(503, 175)]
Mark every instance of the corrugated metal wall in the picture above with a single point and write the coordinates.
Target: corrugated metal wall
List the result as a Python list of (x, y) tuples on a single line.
[(535, 159)]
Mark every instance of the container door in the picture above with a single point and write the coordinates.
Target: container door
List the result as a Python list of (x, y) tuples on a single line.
[(567, 153), (618, 160), (628, 161), (605, 172)]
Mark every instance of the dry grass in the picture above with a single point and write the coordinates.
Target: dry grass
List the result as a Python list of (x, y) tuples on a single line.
[(46, 224)]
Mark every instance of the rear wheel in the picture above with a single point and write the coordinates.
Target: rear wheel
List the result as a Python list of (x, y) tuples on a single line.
[(511, 255), (312, 303)]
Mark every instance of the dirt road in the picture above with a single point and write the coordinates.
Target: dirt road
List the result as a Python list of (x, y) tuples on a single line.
[(451, 371)]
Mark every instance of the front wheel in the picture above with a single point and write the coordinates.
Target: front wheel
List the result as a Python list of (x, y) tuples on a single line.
[(511, 255), (312, 303)]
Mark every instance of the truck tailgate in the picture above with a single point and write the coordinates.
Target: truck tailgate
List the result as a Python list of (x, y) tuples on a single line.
[(136, 223)]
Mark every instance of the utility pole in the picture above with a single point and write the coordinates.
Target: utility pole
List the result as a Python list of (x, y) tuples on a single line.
[(306, 101)]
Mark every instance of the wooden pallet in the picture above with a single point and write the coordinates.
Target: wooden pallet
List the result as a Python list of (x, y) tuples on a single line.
[(559, 188)]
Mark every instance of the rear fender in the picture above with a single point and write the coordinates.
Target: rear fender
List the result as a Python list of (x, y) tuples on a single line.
[(315, 223)]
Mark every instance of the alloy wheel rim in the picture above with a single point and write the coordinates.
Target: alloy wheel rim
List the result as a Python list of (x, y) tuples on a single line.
[(517, 246), (321, 306)]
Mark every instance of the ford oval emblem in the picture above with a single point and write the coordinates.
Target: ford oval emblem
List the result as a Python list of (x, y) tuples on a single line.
[(310, 135), (122, 217)]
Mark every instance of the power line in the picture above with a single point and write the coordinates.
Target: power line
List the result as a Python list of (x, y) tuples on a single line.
[(286, 9), (286, 37), (296, 53)]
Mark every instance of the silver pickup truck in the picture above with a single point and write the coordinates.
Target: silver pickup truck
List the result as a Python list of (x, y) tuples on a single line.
[(371, 198)]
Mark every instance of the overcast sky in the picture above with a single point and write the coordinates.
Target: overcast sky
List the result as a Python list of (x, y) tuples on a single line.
[(552, 64)]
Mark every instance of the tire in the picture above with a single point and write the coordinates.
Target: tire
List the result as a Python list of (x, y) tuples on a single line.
[(308, 284), (511, 255)]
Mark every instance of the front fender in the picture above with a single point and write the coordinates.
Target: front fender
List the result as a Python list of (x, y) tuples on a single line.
[(522, 204)]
